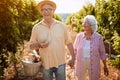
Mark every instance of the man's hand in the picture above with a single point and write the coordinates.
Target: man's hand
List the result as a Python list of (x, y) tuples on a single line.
[(39, 45), (71, 63), (44, 44), (34, 46)]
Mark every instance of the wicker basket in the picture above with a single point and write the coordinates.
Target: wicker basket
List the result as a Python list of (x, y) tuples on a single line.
[(31, 69)]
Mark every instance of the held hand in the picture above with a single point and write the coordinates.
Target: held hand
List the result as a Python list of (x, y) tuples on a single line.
[(39, 45), (106, 72), (71, 63)]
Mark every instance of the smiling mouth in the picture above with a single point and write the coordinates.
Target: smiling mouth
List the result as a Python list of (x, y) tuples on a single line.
[(46, 15)]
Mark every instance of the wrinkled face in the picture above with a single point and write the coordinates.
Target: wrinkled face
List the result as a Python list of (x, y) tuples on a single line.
[(47, 11), (86, 25)]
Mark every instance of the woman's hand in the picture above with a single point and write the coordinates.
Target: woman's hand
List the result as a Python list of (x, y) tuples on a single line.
[(106, 72)]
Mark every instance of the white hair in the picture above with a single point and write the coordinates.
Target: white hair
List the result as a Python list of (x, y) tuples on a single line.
[(92, 22)]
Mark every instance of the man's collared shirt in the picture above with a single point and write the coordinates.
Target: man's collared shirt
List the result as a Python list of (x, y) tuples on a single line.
[(57, 36)]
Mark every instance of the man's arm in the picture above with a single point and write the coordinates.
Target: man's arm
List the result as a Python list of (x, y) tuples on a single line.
[(72, 61)]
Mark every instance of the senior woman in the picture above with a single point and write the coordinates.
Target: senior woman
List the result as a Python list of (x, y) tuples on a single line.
[(89, 50)]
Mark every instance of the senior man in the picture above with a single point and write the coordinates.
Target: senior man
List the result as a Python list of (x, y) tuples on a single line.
[(50, 37)]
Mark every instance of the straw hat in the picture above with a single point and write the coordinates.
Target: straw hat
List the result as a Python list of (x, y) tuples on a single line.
[(40, 4)]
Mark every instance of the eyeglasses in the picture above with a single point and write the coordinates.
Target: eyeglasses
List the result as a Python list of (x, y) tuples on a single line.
[(48, 9)]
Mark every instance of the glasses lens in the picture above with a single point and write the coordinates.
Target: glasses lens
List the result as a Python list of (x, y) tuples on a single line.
[(48, 9)]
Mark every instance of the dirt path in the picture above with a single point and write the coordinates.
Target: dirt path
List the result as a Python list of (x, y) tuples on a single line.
[(114, 74)]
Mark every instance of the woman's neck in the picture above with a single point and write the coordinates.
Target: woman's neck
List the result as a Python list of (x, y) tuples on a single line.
[(88, 34)]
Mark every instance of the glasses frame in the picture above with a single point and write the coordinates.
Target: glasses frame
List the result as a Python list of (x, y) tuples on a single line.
[(46, 9)]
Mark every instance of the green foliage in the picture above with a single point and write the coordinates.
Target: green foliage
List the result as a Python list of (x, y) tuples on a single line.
[(73, 21), (57, 17), (27, 17), (108, 17), (16, 20), (8, 33), (114, 14), (68, 20), (115, 63), (3, 62), (76, 19), (116, 43)]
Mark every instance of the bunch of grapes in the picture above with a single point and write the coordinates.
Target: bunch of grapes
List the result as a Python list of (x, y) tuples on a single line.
[(36, 59)]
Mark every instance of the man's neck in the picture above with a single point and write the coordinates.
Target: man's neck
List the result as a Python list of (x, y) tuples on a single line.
[(48, 22)]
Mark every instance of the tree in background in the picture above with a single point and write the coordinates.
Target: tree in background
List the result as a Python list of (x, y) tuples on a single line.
[(76, 19), (17, 18), (108, 16)]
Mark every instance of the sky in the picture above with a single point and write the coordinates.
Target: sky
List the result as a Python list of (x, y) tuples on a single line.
[(70, 6)]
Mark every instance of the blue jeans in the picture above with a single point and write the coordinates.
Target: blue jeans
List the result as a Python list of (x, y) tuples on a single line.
[(60, 73)]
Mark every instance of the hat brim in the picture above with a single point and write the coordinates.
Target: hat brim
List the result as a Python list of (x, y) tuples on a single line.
[(39, 6)]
